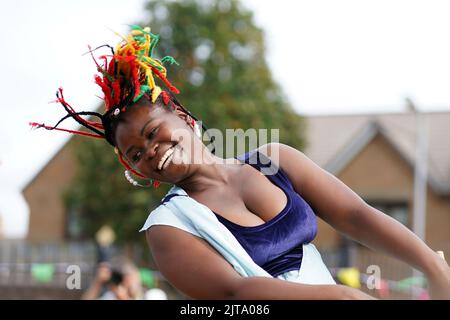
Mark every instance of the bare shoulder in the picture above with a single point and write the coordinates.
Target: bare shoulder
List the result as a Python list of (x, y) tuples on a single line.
[(293, 162), (280, 153), (331, 199), (190, 264), (307, 177)]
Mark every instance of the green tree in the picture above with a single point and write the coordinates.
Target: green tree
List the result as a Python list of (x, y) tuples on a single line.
[(224, 80)]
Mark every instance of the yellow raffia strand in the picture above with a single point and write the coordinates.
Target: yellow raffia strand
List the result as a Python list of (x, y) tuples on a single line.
[(147, 44), (136, 32), (155, 93), (158, 63), (117, 34), (130, 42), (149, 72), (150, 79)]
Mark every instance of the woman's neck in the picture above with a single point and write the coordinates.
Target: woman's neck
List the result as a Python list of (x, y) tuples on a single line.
[(213, 172)]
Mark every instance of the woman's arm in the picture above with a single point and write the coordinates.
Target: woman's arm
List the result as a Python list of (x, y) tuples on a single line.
[(195, 268), (343, 209)]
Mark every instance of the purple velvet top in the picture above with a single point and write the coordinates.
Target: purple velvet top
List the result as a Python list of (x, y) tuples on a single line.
[(276, 246)]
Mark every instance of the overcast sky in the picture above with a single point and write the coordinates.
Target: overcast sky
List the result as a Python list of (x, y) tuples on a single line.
[(330, 57)]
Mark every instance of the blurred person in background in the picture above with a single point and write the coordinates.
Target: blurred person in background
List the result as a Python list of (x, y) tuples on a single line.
[(118, 279)]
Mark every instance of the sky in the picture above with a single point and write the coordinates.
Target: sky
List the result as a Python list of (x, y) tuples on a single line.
[(330, 57)]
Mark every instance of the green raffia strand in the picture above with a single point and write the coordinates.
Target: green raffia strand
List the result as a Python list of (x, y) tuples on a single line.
[(141, 54), (155, 39), (139, 38), (153, 43), (146, 59), (144, 89), (154, 35), (136, 27), (170, 60)]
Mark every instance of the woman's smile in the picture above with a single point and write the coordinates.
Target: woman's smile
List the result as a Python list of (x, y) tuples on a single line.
[(166, 158), (173, 155)]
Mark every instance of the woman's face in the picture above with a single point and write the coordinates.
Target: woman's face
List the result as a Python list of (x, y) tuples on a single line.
[(157, 143)]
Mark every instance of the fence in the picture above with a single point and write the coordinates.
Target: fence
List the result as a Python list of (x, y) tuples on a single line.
[(41, 271)]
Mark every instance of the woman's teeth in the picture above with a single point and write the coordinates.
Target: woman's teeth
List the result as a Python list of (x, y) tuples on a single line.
[(168, 161), (163, 163)]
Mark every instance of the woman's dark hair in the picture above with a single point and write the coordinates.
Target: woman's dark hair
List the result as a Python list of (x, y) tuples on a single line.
[(111, 122)]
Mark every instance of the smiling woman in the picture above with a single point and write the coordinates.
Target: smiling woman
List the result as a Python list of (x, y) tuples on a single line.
[(241, 228), (153, 137)]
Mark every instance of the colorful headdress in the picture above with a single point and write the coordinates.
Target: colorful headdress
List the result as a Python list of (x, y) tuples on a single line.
[(125, 75)]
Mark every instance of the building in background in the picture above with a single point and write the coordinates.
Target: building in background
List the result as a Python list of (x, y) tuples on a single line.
[(49, 219)]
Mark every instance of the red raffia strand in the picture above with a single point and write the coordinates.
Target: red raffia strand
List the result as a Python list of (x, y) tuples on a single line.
[(105, 61), (41, 125), (93, 58), (126, 59), (167, 83), (156, 183), (165, 97), (106, 91), (116, 89), (122, 161), (134, 73), (111, 66), (61, 100)]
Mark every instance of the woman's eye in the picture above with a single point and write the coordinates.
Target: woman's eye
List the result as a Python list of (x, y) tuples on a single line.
[(152, 133), (136, 156)]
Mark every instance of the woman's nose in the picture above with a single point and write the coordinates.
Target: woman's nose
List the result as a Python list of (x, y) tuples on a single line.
[(151, 150)]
